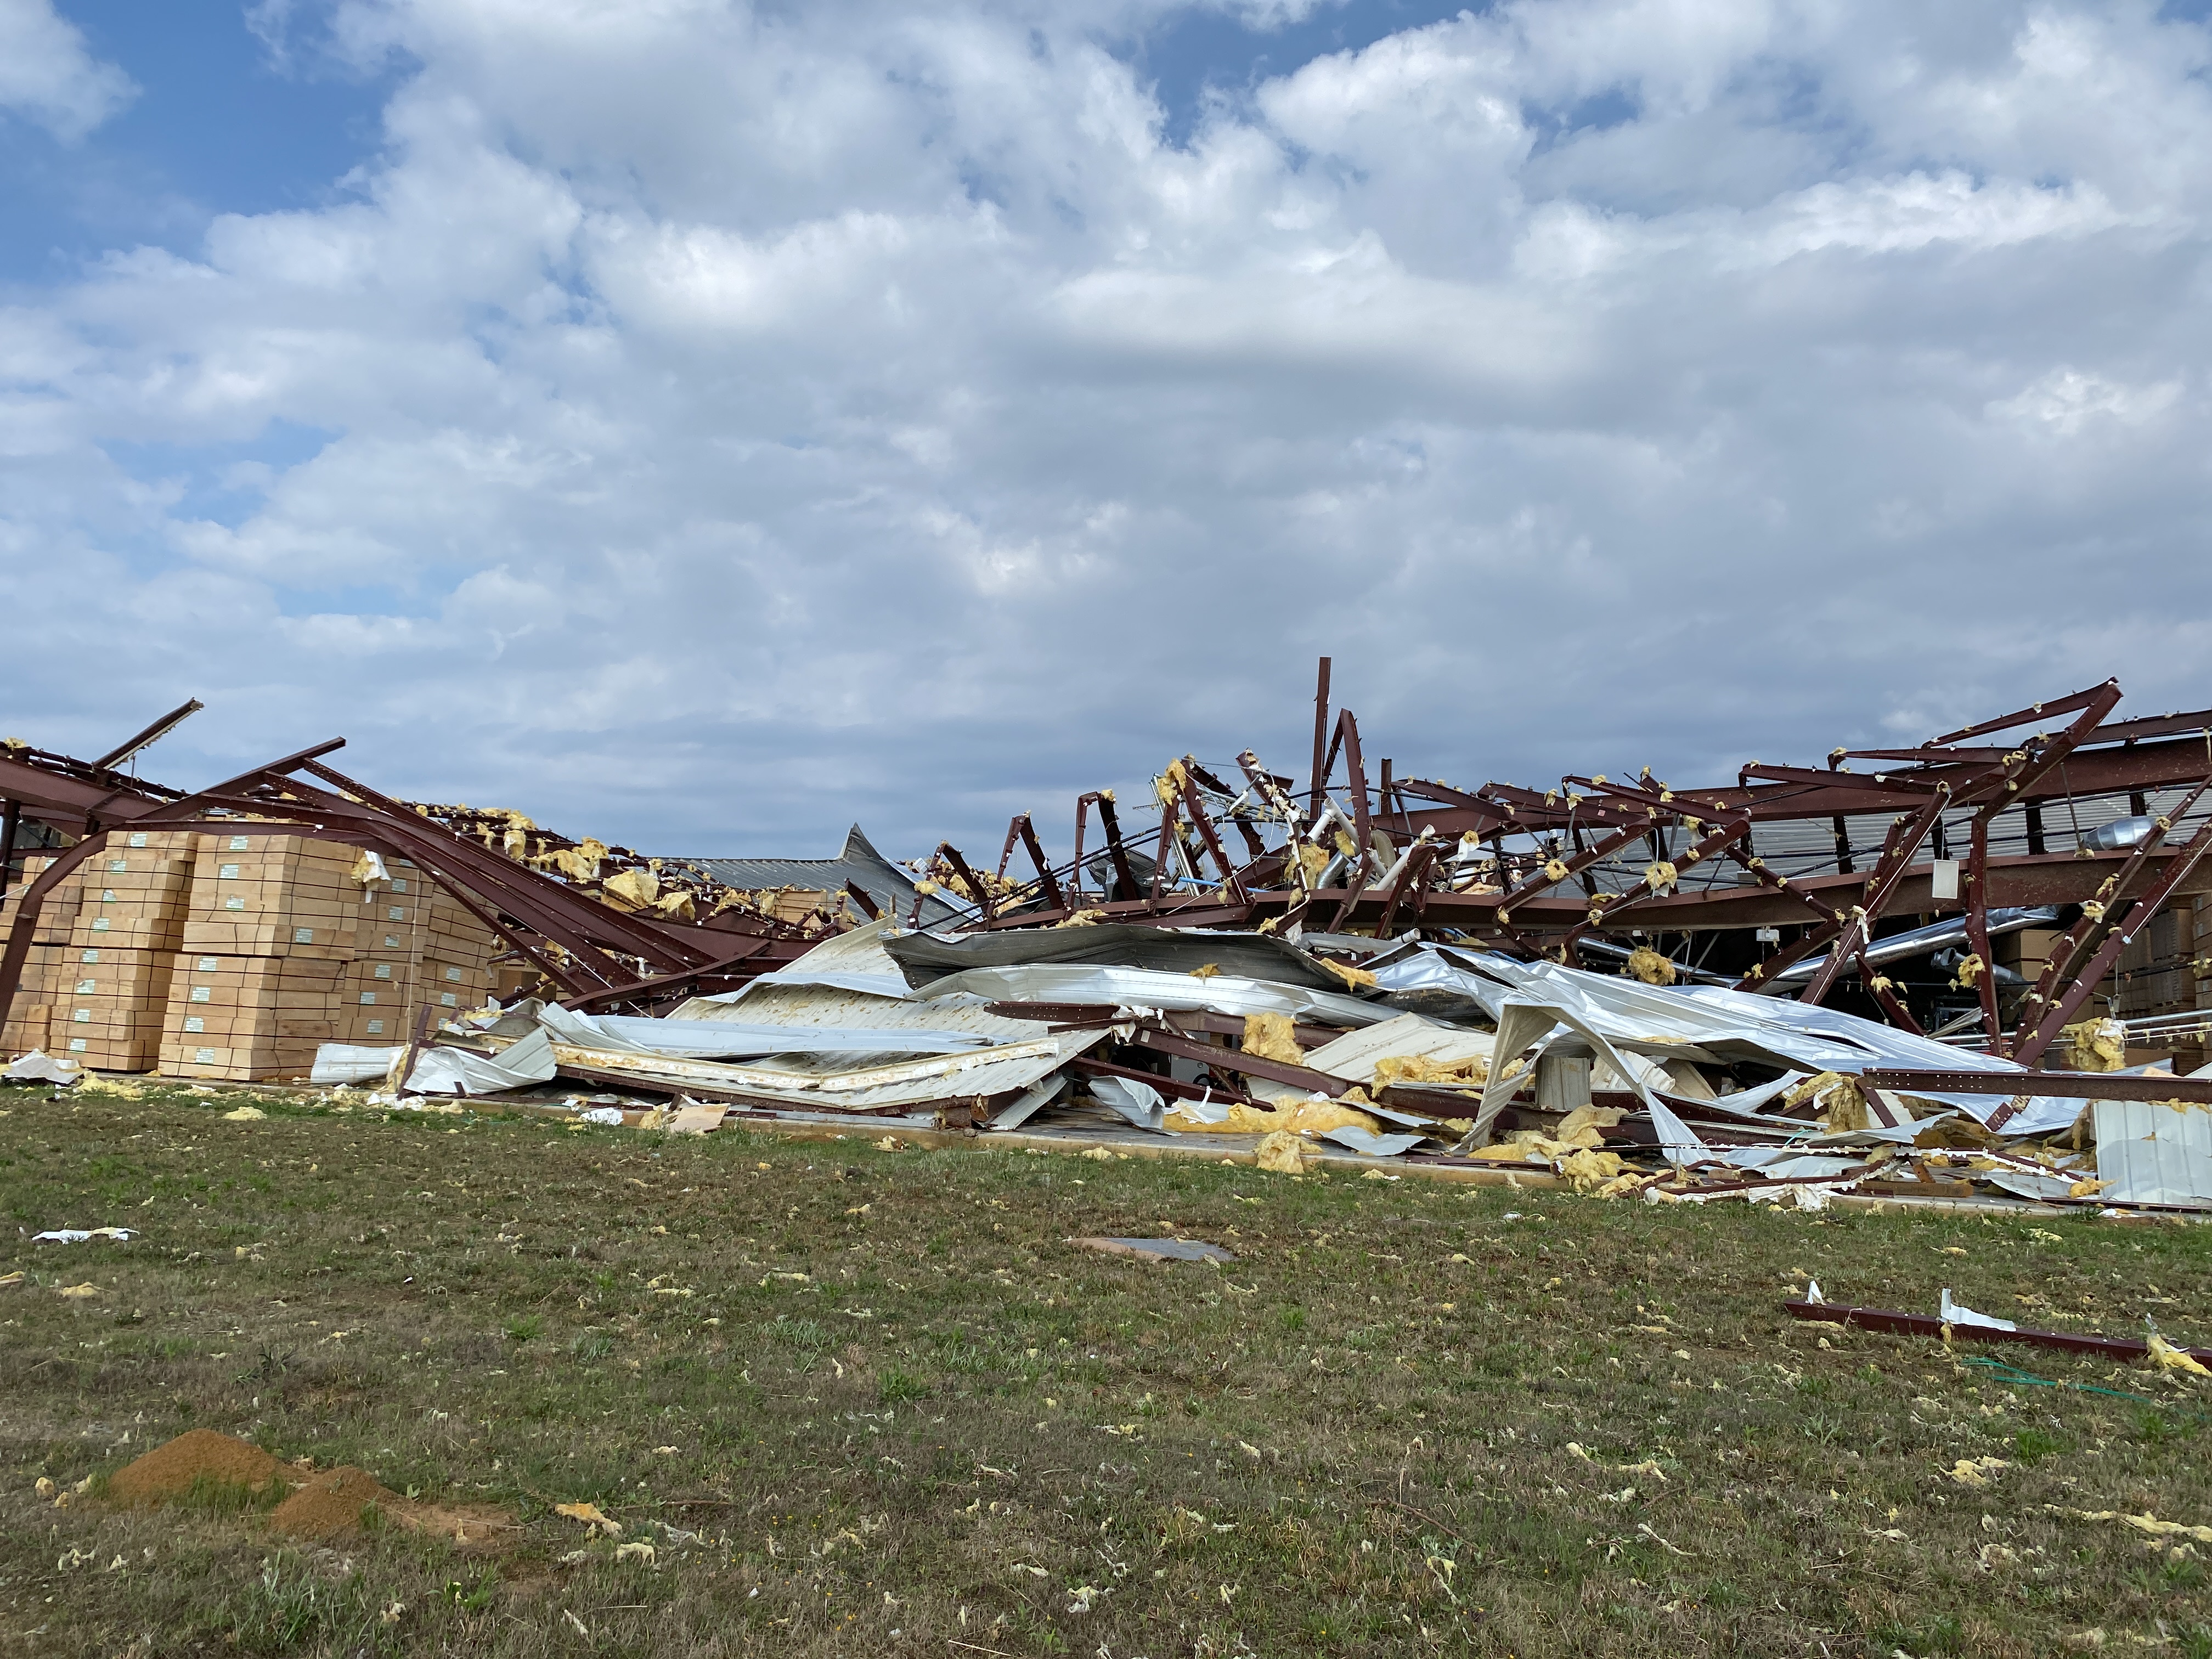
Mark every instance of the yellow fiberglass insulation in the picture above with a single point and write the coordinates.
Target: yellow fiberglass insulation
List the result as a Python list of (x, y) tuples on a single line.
[(1581, 1126), (1295, 1117), (580, 862), (1168, 786), (1355, 979), (1648, 965), (1273, 1037), (1510, 1151), (1838, 1097), (1588, 1169), (1420, 1068), (1286, 1154), (2098, 1045), (633, 889)]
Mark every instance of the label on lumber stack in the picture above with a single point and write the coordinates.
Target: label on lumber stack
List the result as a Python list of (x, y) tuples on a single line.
[(107, 1007), (258, 894)]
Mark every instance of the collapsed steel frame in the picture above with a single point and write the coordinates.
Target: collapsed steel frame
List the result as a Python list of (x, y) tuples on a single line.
[(597, 956), (1545, 872), (1392, 856)]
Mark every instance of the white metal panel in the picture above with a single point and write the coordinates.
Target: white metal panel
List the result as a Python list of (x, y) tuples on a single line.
[(2154, 1153), (909, 1083)]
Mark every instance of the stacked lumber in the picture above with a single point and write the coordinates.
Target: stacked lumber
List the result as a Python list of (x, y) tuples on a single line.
[(30, 1019), (290, 942), (111, 982)]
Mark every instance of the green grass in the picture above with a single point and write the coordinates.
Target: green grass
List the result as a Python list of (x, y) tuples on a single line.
[(866, 1403)]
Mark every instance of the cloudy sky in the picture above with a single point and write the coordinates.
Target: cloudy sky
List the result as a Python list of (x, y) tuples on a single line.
[(705, 424)]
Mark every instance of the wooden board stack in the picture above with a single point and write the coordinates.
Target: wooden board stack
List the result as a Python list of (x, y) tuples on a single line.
[(30, 1018), (111, 980), (290, 942)]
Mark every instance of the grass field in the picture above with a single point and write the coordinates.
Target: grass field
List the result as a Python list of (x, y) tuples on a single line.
[(867, 1402)]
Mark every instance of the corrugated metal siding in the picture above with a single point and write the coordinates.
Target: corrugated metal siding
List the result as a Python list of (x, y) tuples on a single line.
[(2154, 1154), (860, 862)]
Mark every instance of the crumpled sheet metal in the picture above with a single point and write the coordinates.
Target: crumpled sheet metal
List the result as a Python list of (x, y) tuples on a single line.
[(1144, 987), (998, 1070), (928, 956), (713, 1039), (1139, 1102), (463, 1072), (1370, 1144), (853, 962), (1730, 1025), (2153, 1153), (346, 1062)]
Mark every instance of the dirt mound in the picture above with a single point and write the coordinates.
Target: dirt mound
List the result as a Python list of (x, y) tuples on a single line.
[(323, 1506), (330, 1504), (171, 1470)]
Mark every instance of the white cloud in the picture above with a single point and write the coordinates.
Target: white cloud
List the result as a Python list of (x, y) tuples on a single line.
[(49, 78), (2066, 402), (743, 421)]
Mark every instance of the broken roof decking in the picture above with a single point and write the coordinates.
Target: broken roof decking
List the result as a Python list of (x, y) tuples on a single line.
[(1698, 1113), (891, 889), (924, 957)]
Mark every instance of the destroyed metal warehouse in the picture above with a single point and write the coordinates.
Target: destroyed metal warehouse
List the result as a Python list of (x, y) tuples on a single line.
[(1968, 966)]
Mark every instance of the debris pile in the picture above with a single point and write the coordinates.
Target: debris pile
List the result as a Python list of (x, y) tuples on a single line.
[(1423, 1054), (1957, 969)]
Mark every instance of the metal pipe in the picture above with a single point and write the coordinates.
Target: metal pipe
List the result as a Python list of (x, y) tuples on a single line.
[(1921, 941)]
